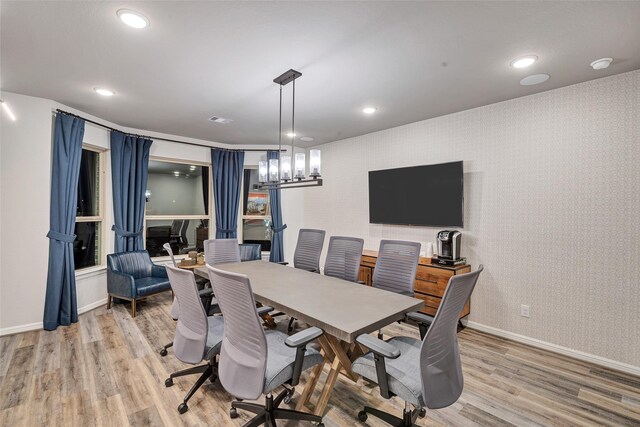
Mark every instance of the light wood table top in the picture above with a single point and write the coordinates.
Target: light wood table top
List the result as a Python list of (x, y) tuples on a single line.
[(340, 308)]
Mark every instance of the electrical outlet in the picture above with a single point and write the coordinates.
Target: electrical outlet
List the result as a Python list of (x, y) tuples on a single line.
[(524, 310)]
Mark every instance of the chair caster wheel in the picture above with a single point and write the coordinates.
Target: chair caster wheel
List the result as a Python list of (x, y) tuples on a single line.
[(163, 352), (288, 397), (213, 378), (233, 413), (182, 408), (422, 413), (320, 424), (168, 382), (362, 416)]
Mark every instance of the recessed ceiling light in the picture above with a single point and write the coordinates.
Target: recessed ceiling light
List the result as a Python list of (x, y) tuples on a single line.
[(192, 168), (534, 79), (601, 64), (291, 134), (524, 61), (176, 173), (306, 138), (104, 92), (7, 110), (369, 110), (132, 18)]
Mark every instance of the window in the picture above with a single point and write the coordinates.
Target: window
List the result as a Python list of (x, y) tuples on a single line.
[(256, 213), (177, 207), (87, 248)]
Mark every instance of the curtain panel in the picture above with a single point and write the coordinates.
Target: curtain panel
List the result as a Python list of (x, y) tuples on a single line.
[(129, 168), (227, 178), (61, 307), (277, 242)]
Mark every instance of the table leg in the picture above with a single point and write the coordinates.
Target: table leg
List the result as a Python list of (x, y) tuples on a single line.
[(328, 387), (342, 356), (305, 396)]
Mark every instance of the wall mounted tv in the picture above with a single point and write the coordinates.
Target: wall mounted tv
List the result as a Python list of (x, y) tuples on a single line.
[(429, 195)]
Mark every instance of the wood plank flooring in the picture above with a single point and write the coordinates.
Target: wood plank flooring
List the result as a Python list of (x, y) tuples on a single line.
[(106, 371)]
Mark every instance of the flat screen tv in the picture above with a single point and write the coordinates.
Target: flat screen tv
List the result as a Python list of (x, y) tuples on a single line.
[(429, 195)]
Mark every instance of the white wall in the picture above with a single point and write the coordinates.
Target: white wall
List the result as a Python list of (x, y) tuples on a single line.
[(25, 180), (551, 208)]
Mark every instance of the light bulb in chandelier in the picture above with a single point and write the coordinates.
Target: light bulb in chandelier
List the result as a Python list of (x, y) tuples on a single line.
[(285, 165), (263, 172), (274, 175), (314, 163), (300, 166)]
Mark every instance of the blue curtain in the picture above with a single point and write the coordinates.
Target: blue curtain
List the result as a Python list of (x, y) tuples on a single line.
[(129, 167), (227, 177), (277, 244), (60, 306)]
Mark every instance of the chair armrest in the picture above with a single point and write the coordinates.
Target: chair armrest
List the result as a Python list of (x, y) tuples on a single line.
[(381, 350), (121, 284), (159, 271), (206, 292), (303, 337), (282, 263), (423, 321), (300, 341), (378, 347), (265, 309)]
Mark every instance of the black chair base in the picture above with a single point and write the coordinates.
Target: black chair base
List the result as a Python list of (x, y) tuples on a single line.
[(209, 371), (408, 417), (269, 413), (163, 352)]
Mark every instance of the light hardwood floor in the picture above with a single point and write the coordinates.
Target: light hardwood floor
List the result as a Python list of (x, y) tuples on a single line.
[(106, 370)]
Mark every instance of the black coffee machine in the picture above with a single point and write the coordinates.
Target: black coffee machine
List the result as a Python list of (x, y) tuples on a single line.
[(449, 243)]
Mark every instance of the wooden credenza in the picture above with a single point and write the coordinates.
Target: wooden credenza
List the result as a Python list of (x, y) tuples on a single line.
[(430, 284)]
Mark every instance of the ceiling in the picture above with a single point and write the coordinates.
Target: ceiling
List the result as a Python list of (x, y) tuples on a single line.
[(411, 60), (169, 168)]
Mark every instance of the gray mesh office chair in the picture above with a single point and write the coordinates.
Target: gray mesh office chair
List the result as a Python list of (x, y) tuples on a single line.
[(425, 373), (198, 337), (250, 251), (308, 250), (307, 255), (206, 296), (343, 258), (396, 267), (254, 361), (218, 251)]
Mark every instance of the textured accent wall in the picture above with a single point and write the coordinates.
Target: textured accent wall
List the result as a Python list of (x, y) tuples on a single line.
[(552, 202)]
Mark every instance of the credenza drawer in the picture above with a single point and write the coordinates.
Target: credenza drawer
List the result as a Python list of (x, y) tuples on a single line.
[(432, 303), (432, 281)]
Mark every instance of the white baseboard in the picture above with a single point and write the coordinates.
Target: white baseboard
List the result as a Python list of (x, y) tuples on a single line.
[(38, 325), (580, 355)]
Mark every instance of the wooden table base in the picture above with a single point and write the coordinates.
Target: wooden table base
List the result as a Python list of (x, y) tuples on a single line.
[(339, 356)]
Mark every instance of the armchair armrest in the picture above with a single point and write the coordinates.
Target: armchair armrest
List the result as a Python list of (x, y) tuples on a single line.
[(120, 284), (300, 341), (424, 321), (265, 309), (159, 271), (380, 350), (378, 347)]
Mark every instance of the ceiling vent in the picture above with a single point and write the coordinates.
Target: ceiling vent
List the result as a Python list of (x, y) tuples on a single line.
[(221, 120)]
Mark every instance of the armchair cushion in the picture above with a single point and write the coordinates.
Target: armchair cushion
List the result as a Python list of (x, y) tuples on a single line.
[(151, 285), (403, 373)]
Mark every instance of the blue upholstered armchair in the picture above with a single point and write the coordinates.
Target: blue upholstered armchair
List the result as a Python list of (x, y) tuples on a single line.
[(132, 276)]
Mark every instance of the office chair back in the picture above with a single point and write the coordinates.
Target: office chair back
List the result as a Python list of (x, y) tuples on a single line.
[(343, 258), (192, 328), (440, 367), (175, 308), (243, 356), (176, 227), (250, 252), (308, 250), (183, 231), (396, 266), (218, 251)]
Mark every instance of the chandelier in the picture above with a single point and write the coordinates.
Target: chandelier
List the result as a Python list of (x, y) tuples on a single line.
[(278, 173)]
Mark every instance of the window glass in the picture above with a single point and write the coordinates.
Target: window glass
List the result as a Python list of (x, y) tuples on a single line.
[(183, 235), (256, 202), (177, 189), (89, 184), (86, 247), (257, 231)]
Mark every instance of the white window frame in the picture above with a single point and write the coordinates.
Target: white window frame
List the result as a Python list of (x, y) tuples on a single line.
[(243, 217), (102, 244), (172, 217)]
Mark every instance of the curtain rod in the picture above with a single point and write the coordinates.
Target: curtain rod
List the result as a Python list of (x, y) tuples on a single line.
[(58, 110)]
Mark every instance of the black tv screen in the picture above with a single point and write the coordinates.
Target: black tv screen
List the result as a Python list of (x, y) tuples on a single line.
[(429, 195)]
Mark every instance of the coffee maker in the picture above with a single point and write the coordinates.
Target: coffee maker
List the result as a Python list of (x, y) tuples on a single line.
[(449, 242)]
